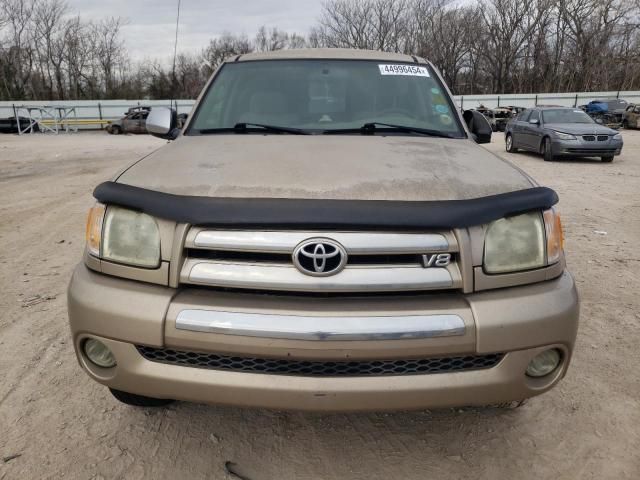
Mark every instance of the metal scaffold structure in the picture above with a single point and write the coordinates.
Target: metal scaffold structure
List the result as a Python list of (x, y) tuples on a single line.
[(45, 119)]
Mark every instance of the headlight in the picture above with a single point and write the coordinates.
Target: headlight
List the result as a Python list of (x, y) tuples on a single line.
[(617, 136), (131, 237), (515, 243), (523, 242), (564, 136), (123, 236)]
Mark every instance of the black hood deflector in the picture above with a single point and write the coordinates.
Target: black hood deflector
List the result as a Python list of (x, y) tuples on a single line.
[(293, 213)]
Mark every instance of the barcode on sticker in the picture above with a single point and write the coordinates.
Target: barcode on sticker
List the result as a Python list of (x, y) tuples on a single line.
[(411, 70)]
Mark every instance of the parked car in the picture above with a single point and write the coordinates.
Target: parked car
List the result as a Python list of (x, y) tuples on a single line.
[(562, 132), (497, 117), (182, 120), (609, 111), (134, 121), (632, 117), (501, 117), (607, 105), (10, 125), (139, 108), (515, 109), (324, 234)]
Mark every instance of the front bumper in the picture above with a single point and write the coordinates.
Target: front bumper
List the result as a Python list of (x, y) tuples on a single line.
[(582, 148), (519, 322)]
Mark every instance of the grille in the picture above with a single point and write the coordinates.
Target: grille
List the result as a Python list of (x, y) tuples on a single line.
[(272, 261), (307, 368), (593, 138)]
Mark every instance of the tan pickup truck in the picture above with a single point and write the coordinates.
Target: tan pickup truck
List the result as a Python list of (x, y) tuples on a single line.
[(325, 233)]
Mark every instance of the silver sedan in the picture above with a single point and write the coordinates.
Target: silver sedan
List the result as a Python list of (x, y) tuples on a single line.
[(561, 132)]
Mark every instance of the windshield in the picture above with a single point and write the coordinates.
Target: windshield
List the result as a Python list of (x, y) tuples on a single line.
[(321, 96), (565, 116)]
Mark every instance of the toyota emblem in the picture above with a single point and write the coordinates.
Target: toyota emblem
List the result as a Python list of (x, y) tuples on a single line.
[(319, 257)]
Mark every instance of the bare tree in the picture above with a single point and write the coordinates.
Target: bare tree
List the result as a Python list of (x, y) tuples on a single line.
[(49, 34), (500, 46), (79, 55), (508, 26), (268, 40), (18, 56), (366, 24), (225, 46), (191, 76), (110, 52), (444, 36)]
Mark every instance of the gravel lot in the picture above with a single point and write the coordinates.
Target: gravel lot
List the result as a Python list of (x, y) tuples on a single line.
[(55, 422)]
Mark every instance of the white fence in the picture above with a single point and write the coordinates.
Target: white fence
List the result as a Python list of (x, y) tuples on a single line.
[(114, 109), (94, 109), (574, 99)]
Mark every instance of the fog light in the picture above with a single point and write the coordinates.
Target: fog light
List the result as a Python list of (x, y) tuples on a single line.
[(99, 353), (544, 363)]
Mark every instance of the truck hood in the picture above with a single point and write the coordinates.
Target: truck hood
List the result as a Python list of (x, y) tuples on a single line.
[(344, 167)]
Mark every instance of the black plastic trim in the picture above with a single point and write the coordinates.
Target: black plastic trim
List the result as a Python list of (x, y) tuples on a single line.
[(294, 213), (319, 368)]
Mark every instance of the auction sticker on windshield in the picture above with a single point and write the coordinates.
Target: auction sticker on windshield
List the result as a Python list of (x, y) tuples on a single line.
[(411, 70)]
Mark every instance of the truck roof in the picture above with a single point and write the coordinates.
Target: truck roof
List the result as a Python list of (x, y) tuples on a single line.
[(327, 54)]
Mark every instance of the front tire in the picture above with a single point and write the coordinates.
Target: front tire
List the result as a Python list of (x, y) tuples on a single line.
[(139, 400), (625, 124), (115, 130), (607, 159), (508, 142), (547, 153)]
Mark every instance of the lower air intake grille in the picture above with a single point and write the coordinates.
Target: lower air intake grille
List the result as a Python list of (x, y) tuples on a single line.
[(319, 368)]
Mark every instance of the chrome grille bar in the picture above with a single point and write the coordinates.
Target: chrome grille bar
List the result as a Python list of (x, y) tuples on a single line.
[(356, 243), (283, 277)]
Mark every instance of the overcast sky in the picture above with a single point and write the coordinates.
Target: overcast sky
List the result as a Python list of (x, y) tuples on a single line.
[(150, 29)]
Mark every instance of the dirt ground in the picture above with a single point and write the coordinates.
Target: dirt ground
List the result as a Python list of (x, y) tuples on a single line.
[(55, 422)]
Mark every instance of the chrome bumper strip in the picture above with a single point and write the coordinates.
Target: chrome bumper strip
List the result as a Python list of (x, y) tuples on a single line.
[(293, 327)]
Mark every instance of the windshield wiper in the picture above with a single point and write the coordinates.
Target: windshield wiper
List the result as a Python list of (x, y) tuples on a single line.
[(245, 127), (371, 127)]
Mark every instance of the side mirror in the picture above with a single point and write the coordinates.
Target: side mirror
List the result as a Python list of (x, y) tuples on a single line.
[(534, 121), (478, 125), (599, 120), (162, 123)]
